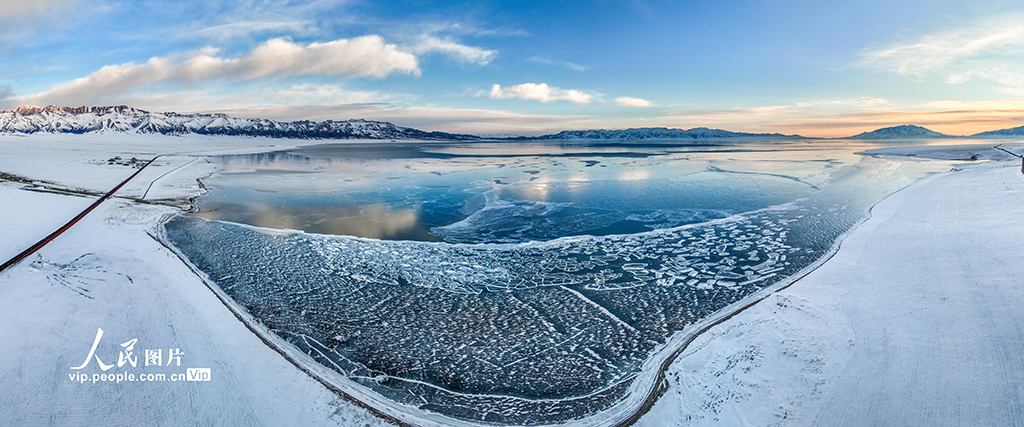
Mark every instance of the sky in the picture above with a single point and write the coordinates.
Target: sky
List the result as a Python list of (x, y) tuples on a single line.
[(814, 68)]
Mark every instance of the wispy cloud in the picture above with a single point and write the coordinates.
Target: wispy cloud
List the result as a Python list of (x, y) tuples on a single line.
[(448, 46), (466, 28), (540, 92), (22, 21), (865, 101), (987, 50), (566, 64), (249, 28), (1012, 81), (626, 101), (367, 56), (443, 38), (227, 20)]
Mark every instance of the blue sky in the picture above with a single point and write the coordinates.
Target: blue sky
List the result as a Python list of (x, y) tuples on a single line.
[(526, 67)]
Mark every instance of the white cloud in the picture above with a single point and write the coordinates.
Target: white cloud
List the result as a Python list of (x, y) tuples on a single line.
[(366, 56), (444, 38), (632, 102), (540, 92), (471, 28), (428, 43), (1012, 81), (937, 50), (985, 50)]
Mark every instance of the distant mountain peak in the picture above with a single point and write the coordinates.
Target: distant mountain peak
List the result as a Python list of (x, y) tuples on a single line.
[(901, 132), (125, 119), (1011, 132)]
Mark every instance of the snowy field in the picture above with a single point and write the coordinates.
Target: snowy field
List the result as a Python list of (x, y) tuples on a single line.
[(915, 320), (107, 273)]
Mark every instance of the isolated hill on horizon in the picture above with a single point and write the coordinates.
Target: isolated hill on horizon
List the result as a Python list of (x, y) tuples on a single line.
[(901, 132)]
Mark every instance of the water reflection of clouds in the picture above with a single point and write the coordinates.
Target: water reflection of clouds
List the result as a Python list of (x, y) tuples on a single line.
[(577, 183), (538, 189), (378, 221), (542, 191), (638, 174)]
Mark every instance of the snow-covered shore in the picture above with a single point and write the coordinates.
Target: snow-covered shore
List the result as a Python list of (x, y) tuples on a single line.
[(107, 273), (915, 321), (799, 356)]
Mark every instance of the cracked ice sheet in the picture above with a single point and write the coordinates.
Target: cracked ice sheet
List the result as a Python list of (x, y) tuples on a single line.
[(928, 335), (330, 302)]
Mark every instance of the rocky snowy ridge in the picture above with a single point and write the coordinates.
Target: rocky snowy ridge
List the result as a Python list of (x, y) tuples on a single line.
[(638, 134), (124, 119)]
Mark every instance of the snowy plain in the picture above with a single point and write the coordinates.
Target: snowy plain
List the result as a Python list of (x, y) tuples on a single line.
[(928, 334), (107, 273)]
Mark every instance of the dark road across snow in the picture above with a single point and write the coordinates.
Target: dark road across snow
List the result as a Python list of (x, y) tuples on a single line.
[(38, 245)]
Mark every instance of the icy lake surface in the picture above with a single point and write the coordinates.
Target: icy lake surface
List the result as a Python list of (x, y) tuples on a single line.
[(517, 283)]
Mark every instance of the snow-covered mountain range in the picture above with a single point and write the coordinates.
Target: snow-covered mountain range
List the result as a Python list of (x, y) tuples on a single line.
[(640, 134), (124, 119)]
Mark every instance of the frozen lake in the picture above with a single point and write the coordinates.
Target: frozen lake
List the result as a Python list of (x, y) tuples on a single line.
[(500, 192), (518, 283)]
